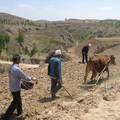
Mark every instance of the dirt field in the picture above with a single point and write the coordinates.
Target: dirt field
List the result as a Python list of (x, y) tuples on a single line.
[(101, 102)]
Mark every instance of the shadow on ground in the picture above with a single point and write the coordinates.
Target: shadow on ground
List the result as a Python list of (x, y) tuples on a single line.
[(47, 99), (13, 117)]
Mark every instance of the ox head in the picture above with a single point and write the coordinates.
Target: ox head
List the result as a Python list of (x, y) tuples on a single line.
[(112, 60)]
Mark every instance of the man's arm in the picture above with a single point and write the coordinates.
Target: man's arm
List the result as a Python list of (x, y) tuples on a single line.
[(58, 70), (22, 75)]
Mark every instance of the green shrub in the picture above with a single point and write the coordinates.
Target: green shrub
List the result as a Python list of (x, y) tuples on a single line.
[(34, 50), (82, 35), (4, 40), (20, 38), (4, 68)]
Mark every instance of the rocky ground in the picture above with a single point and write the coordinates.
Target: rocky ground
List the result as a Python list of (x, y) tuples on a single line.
[(100, 102)]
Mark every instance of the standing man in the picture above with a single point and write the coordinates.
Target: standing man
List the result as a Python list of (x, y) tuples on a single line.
[(85, 50), (54, 71), (15, 77)]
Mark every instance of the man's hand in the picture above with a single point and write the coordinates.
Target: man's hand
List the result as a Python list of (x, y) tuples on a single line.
[(61, 82), (52, 77), (33, 78)]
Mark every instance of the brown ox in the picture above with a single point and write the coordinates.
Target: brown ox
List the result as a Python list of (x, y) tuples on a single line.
[(99, 64)]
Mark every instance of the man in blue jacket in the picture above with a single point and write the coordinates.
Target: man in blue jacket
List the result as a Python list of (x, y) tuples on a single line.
[(54, 71)]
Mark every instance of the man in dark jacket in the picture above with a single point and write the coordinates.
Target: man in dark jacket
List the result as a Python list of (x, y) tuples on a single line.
[(54, 71), (85, 50)]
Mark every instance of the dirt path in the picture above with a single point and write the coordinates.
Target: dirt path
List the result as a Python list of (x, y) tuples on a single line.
[(22, 64)]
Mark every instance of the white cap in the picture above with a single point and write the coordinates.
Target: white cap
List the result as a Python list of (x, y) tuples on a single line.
[(58, 52), (89, 44)]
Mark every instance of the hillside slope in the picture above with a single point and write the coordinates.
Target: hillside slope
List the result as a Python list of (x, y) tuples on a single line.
[(49, 35)]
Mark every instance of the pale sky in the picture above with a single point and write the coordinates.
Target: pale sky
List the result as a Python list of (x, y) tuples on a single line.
[(61, 9)]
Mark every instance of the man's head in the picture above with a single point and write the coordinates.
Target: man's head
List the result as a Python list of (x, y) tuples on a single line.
[(58, 53), (16, 59), (89, 44), (112, 60)]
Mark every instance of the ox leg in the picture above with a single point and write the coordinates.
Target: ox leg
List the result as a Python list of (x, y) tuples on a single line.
[(107, 70), (93, 75)]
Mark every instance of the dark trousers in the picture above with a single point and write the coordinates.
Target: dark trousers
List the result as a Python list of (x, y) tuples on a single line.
[(84, 57), (55, 86), (15, 104)]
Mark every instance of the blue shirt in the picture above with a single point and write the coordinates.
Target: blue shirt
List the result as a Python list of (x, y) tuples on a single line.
[(54, 68), (15, 77)]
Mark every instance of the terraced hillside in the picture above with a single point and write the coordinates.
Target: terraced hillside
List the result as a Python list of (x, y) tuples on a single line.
[(43, 36)]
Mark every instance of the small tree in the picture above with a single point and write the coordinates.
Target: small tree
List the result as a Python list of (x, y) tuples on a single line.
[(20, 39), (4, 40), (34, 50), (26, 51)]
